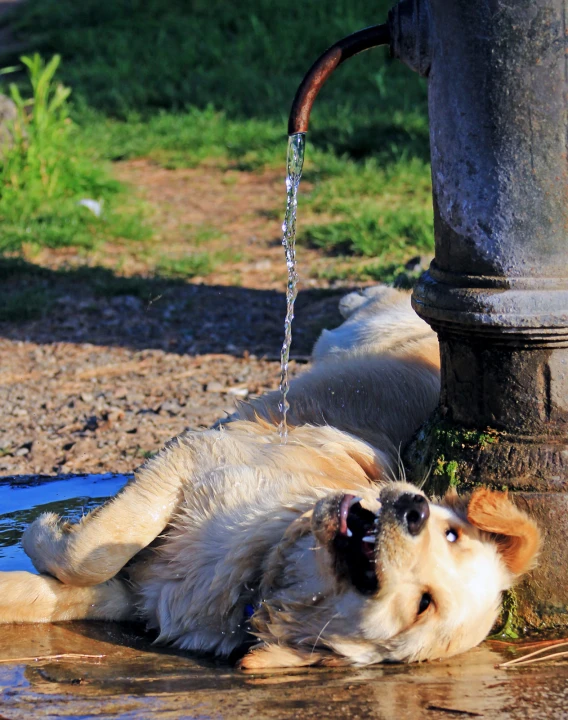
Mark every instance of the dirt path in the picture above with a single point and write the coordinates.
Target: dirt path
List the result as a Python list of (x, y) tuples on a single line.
[(103, 360)]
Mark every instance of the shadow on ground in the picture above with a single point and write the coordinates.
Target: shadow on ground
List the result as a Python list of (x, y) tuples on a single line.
[(95, 305)]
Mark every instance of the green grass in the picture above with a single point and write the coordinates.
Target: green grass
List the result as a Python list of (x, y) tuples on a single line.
[(378, 210), (46, 171), (186, 139), (186, 267), (195, 263), (205, 82), (382, 270), (130, 59), (373, 233), (246, 58)]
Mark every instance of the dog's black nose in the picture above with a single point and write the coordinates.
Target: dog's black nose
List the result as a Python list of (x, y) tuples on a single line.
[(412, 511)]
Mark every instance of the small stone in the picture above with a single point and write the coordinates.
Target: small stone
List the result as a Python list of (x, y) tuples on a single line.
[(263, 265), (92, 423), (170, 406), (115, 414), (241, 392), (87, 397), (127, 302), (215, 387)]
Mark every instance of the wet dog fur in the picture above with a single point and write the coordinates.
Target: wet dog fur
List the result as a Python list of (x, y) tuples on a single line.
[(310, 549)]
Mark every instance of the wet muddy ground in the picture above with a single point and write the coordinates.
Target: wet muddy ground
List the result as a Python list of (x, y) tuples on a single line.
[(130, 679), (107, 670)]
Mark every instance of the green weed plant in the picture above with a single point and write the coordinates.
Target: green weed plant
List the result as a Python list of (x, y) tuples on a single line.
[(46, 170)]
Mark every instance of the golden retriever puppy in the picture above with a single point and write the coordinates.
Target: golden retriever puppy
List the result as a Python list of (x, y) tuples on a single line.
[(307, 550)]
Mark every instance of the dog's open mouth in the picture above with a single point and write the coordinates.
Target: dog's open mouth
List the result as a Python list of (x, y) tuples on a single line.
[(354, 544)]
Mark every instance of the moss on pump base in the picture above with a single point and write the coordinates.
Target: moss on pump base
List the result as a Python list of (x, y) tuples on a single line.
[(442, 453)]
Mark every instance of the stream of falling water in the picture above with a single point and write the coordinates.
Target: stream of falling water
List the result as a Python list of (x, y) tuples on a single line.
[(294, 163)]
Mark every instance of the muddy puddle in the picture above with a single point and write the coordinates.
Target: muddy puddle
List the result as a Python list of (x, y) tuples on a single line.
[(113, 671)]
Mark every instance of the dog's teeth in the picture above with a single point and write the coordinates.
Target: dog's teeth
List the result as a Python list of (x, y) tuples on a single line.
[(349, 533), (370, 539)]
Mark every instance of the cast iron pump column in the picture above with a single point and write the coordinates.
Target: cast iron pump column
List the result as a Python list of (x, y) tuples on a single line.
[(497, 290)]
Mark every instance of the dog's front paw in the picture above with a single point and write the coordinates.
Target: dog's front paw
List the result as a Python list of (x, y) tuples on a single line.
[(43, 540), (266, 656), (262, 657)]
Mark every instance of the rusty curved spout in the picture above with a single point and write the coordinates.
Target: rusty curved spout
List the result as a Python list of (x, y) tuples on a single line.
[(323, 67)]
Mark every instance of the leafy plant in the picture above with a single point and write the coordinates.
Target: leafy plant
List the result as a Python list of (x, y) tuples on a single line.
[(45, 171)]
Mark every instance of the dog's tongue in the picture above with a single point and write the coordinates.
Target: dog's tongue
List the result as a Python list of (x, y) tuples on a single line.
[(346, 503)]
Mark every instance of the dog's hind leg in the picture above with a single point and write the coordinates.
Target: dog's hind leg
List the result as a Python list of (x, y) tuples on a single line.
[(27, 598), (96, 548)]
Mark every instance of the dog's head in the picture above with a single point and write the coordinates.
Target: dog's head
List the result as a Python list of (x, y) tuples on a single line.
[(393, 578)]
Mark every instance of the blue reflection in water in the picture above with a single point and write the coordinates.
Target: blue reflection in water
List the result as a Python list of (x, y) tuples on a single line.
[(22, 502)]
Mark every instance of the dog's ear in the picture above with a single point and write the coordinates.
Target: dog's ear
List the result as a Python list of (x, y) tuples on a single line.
[(517, 535), (373, 464)]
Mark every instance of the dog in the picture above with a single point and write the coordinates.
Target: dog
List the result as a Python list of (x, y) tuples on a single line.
[(308, 552)]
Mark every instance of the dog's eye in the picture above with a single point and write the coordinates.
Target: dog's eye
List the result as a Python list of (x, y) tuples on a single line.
[(425, 602), (451, 535)]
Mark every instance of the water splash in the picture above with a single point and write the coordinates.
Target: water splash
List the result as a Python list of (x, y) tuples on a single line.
[(294, 163)]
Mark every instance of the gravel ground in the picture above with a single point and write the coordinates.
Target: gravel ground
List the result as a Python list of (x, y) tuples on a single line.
[(99, 383), (102, 359), (70, 408)]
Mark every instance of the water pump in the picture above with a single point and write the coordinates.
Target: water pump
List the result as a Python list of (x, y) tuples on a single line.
[(497, 290)]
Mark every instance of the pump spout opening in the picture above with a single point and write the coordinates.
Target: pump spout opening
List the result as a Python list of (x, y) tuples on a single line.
[(323, 67)]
